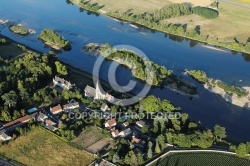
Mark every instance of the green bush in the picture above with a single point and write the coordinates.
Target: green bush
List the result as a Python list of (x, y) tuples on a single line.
[(205, 12)]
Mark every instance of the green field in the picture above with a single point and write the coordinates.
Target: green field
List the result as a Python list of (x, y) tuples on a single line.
[(39, 147), (201, 159)]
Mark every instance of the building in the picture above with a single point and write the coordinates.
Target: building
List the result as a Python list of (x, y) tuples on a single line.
[(125, 124), (140, 123), (98, 93), (110, 123), (56, 110), (138, 142), (4, 136), (104, 107), (18, 122), (115, 133), (41, 117), (71, 105), (126, 132), (64, 84), (51, 125)]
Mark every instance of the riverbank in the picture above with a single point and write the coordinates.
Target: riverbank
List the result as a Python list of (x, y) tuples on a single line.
[(243, 101), (226, 41), (239, 96)]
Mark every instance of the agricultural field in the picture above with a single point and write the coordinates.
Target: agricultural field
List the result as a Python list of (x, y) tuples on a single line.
[(39, 147), (201, 159), (92, 139)]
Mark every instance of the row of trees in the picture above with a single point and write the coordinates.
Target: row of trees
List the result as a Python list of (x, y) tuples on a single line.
[(205, 12)]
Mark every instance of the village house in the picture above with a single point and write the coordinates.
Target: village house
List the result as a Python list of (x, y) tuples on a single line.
[(71, 105), (51, 125), (41, 117), (110, 123), (140, 123), (138, 142), (64, 84), (4, 136), (56, 110), (104, 107), (125, 132), (18, 122), (125, 124), (115, 133)]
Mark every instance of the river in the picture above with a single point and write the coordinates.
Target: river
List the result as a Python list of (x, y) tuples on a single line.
[(81, 27)]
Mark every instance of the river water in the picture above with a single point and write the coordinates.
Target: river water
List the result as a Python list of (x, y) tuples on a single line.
[(81, 27)]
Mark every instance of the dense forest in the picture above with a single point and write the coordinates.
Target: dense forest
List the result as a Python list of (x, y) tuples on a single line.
[(51, 36)]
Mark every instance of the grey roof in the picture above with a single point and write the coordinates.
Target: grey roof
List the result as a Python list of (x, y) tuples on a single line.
[(104, 107), (142, 123), (63, 81), (52, 128), (128, 130), (41, 116), (5, 136), (90, 91)]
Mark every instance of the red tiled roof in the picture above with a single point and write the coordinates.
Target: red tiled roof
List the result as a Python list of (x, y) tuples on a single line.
[(111, 122), (56, 108), (20, 120), (136, 140)]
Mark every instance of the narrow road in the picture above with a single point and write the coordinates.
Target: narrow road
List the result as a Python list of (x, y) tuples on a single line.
[(235, 3)]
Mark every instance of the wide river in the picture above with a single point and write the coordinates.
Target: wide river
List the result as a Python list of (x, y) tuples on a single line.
[(81, 27)]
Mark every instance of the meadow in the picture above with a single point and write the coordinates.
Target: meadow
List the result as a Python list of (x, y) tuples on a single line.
[(39, 147)]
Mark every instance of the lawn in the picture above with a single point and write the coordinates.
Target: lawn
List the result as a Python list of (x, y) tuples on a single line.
[(201, 159), (39, 147)]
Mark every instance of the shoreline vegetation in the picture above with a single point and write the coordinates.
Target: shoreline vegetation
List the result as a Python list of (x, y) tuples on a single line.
[(239, 96), (157, 21), (20, 30), (143, 69), (54, 40)]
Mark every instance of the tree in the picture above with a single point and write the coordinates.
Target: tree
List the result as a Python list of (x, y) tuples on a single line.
[(157, 148), (61, 69), (144, 129), (150, 104), (220, 132), (115, 158), (161, 140), (184, 117), (241, 150), (167, 106), (130, 159), (150, 153), (10, 98), (140, 159)]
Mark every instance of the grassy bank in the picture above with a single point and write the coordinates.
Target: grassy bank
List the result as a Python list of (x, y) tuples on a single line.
[(229, 30)]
